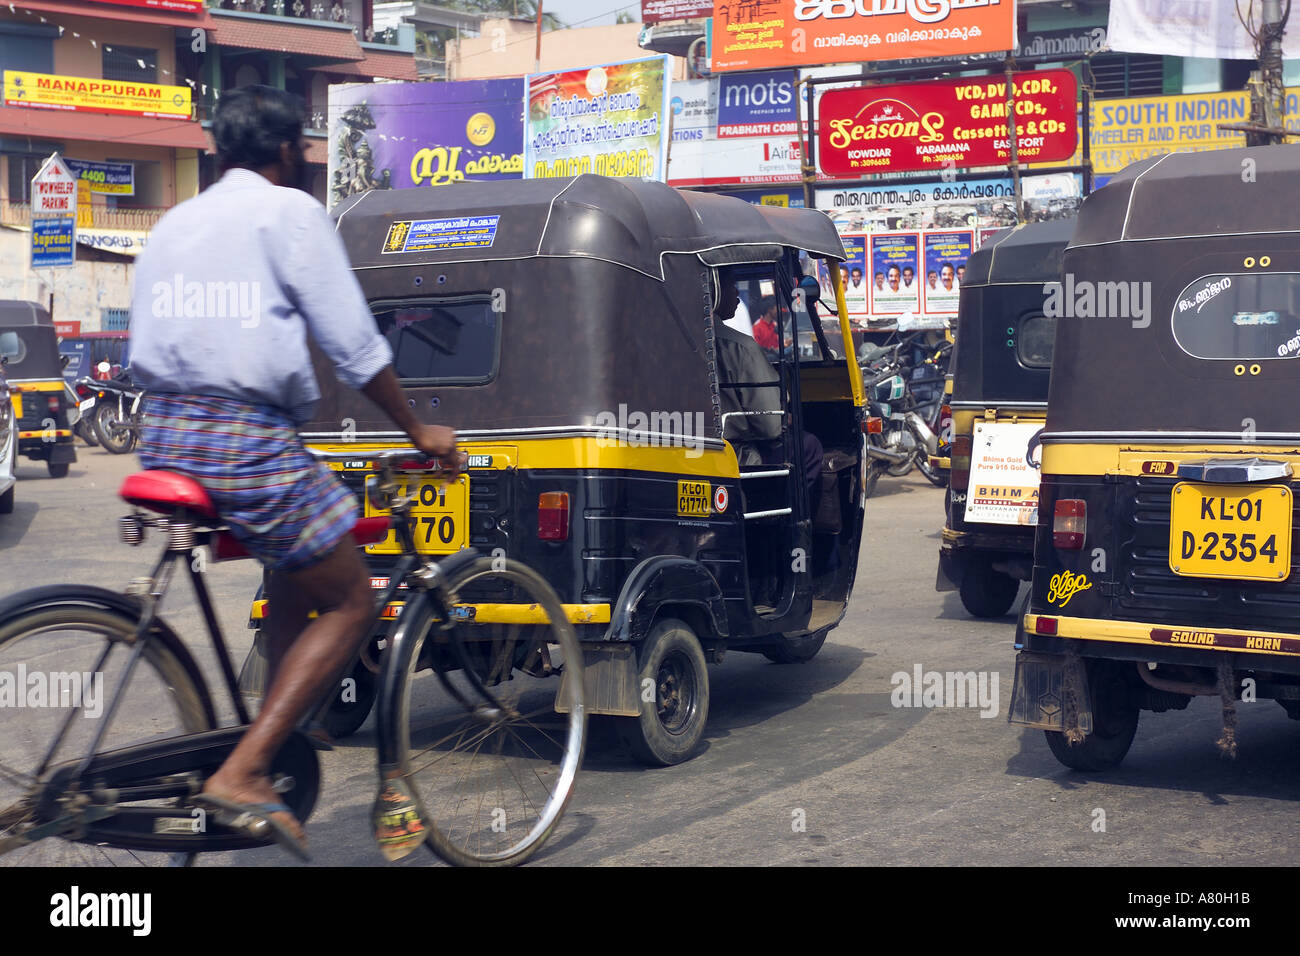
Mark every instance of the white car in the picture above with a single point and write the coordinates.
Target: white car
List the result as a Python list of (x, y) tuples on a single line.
[(8, 447)]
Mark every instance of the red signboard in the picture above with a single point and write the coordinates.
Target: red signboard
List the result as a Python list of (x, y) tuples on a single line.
[(946, 123), (67, 330), (181, 6), (656, 11)]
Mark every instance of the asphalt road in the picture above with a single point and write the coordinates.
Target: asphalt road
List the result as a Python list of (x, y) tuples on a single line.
[(819, 743)]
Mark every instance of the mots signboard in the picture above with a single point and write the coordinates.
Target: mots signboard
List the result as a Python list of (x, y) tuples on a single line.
[(946, 123)]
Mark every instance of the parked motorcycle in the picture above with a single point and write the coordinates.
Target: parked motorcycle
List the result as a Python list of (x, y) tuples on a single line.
[(902, 433), (87, 392)]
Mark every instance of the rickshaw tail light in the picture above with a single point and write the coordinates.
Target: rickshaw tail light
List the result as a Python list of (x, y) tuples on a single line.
[(875, 426), (960, 452), (553, 516), (52, 403), (1069, 524), (1046, 625)]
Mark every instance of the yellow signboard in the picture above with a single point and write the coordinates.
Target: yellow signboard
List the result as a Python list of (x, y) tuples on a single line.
[(89, 95), (1125, 131)]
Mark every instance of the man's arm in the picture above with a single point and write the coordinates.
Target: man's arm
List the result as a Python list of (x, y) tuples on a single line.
[(436, 441)]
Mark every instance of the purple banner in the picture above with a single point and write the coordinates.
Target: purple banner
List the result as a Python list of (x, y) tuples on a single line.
[(401, 135)]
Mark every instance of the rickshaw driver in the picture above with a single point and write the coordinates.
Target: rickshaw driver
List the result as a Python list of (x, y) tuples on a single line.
[(226, 396), (744, 361)]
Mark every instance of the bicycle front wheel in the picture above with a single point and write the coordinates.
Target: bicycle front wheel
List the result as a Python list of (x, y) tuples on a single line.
[(62, 656), (486, 740)]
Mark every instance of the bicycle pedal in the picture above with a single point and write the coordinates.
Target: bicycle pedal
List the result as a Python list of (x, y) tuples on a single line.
[(399, 827)]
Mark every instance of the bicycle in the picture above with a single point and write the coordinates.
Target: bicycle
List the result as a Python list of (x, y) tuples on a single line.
[(489, 628)]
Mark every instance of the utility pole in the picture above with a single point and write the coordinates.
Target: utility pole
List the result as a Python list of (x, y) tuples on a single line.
[(1267, 92), (537, 56)]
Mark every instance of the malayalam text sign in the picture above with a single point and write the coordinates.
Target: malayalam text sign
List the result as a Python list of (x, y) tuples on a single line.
[(89, 95), (610, 120), (180, 6), (761, 34), (657, 11), (107, 179), (928, 126)]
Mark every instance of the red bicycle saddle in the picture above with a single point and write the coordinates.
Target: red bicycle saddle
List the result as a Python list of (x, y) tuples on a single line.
[(166, 492)]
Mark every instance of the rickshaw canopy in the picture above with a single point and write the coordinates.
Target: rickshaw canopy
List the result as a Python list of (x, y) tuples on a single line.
[(39, 357), (1180, 303)]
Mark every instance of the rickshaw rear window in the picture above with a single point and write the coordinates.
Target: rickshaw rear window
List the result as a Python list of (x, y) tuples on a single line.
[(1035, 342), (437, 341), (1239, 316)]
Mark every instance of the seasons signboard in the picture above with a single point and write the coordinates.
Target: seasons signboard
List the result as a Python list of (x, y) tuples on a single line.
[(944, 123)]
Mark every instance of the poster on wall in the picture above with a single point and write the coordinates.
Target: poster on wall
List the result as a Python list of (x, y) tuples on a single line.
[(894, 261), (945, 262), (611, 120), (853, 273), (402, 135)]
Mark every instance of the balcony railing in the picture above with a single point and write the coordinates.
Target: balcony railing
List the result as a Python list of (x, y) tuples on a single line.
[(134, 219), (329, 11)]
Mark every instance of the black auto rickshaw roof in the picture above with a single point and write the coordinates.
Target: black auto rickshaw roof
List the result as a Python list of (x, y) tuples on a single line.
[(1030, 252), (629, 222), (1187, 195), (15, 313), (1155, 244), (1001, 298)]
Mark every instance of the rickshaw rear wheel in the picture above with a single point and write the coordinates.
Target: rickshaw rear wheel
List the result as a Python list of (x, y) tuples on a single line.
[(671, 723), (798, 650), (873, 478), (986, 592), (1115, 714), (7, 502), (57, 471)]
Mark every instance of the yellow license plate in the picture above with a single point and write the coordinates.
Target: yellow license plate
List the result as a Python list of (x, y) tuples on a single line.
[(1222, 531), (440, 515)]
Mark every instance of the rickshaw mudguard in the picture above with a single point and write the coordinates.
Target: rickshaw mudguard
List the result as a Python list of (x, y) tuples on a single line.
[(664, 580)]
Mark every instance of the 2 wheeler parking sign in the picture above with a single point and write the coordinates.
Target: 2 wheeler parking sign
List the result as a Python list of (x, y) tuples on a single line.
[(946, 123), (761, 34)]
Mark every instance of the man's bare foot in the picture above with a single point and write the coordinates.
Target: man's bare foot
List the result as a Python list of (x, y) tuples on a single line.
[(254, 790)]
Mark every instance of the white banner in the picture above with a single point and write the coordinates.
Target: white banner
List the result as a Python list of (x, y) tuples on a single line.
[(1198, 28)]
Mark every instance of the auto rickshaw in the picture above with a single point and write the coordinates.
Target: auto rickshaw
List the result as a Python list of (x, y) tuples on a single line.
[(43, 404), (1000, 373), (1163, 564), (566, 329)]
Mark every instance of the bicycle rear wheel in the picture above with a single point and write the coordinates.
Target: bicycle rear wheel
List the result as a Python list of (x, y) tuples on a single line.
[(489, 757), (62, 654)]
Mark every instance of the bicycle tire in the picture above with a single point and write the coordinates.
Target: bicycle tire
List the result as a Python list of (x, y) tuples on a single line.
[(43, 613), (450, 835)]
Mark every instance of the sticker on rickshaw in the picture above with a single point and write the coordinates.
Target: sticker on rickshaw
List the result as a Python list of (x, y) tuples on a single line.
[(1159, 468), (1222, 531), (426, 235), (1004, 474), (1244, 642), (694, 499)]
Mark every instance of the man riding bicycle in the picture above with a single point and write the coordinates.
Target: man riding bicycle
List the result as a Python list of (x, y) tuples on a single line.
[(231, 284)]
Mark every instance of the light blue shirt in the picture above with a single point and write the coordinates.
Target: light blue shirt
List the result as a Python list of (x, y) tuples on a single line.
[(228, 288)]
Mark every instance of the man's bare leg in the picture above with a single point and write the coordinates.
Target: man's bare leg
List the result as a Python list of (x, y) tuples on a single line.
[(301, 669)]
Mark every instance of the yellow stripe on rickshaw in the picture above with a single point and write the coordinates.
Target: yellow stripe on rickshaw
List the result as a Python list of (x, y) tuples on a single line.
[(495, 613), (1162, 635)]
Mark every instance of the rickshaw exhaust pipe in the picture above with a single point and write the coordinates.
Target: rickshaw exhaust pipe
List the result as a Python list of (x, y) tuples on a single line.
[(1190, 688), (894, 457)]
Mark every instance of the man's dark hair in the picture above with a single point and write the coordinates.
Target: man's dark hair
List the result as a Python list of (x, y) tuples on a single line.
[(251, 123), (766, 304)]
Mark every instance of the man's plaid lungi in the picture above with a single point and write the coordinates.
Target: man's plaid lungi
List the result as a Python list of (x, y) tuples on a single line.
[(286, 508)]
